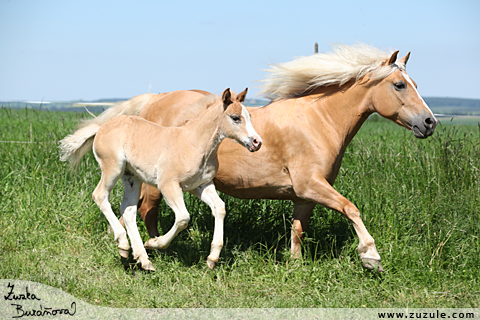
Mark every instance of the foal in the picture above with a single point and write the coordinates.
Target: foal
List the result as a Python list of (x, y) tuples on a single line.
[(175, 160)]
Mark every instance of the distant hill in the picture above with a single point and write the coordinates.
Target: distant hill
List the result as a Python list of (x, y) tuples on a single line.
[(448, 106), (454, 106)]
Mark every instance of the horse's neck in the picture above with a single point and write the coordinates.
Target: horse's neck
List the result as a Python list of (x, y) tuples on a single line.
[(344, 111), (205, 131)]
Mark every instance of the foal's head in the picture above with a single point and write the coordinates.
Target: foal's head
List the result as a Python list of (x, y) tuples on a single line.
[(237, 123), (396, 98)]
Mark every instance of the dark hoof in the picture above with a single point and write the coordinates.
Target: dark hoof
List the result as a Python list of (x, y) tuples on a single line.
[(372, 264)]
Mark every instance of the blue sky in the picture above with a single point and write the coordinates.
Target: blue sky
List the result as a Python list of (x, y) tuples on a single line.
[(94, 49)]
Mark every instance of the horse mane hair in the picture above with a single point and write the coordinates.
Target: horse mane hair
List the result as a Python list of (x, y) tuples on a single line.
[(345, 63)]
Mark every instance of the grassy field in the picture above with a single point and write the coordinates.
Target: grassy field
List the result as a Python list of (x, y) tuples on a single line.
[(419, 199)]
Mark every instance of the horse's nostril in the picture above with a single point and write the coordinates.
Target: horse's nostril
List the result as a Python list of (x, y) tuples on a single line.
[(429, 121), (256, 142)]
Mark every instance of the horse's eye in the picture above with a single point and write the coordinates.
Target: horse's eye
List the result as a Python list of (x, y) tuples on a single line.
[(236, 118), (399, 85)]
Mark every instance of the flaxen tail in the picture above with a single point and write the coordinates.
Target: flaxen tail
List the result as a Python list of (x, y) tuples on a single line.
[(74, 146)]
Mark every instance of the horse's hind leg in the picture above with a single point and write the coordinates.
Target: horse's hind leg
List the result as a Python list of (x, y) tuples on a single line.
[(301, 213), (148, 206), (208, 194), (128, 208), (101, 194), (150, 199)]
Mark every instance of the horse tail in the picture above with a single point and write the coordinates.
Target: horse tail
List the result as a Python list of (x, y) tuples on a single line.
[(74, 146)]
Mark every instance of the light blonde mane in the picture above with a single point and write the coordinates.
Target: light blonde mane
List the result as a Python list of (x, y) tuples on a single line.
[(345, 63)]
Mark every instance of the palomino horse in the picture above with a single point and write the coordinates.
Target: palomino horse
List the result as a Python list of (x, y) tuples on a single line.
[(174, 160), (319, 104)]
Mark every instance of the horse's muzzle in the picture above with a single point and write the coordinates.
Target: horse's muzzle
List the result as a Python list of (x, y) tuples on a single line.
[(424, 127), (255, 144)]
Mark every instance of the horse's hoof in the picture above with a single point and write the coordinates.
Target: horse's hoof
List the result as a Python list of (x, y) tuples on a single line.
[(124, 253), (372, 264), (211, 264), (151, 244), (155, 243), (148, 266)]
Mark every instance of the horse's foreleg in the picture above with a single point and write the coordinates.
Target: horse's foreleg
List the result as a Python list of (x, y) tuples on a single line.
[(173, 195), (128, 209), (208, 194), (301, 214), (317, 189)]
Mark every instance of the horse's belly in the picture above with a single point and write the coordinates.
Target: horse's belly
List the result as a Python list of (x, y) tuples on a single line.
[(147, 175), (271, 187), (257, 175), (264, 192)]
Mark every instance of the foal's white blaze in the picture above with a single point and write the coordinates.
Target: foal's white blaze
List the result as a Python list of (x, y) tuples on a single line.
[(406, 76), (248, 124)]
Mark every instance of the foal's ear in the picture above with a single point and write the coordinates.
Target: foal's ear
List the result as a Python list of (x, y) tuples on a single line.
[(226, 98), (241, 96), (392, 59), (404, 60)]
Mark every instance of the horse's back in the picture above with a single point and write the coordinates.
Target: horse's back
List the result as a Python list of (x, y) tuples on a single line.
[(173, 109), (123, 132)]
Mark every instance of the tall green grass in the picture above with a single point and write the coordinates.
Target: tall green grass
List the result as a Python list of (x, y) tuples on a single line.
[(418, 199)]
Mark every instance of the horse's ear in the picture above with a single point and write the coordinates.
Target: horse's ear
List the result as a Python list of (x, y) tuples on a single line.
[(392, 59), (226, 98), (241, 96), (404, 60)]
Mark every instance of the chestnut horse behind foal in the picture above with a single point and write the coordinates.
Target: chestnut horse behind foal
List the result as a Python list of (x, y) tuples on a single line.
[(319, 104), (174, 160)]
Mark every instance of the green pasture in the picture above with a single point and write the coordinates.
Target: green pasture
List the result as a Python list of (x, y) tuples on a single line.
[(460, 120), (418, 198)]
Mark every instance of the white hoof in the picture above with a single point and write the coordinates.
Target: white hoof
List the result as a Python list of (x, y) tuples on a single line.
[(211, 264), (124, 253), (155, 243)]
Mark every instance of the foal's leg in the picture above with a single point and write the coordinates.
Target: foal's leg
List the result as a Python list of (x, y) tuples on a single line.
[(208, 194), (128, 208), (173, 195), (317, 189), (301, 214), (110, 175)]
